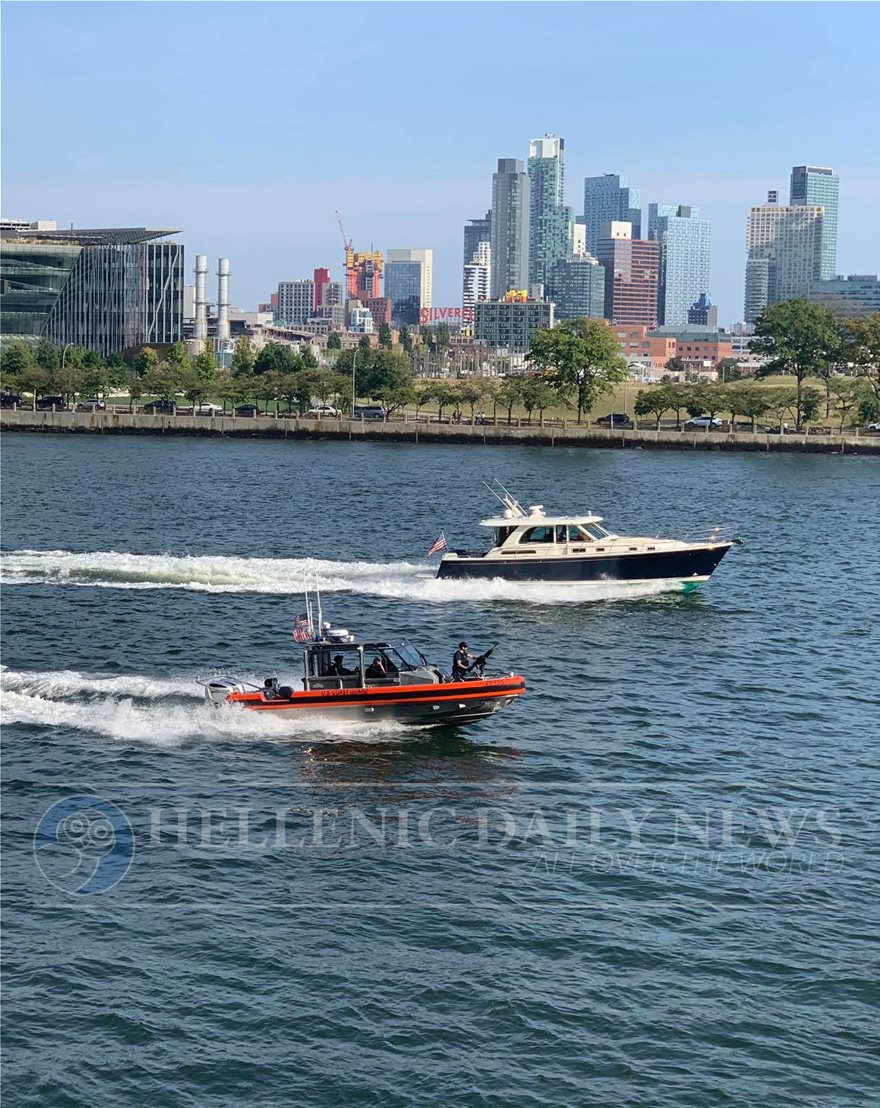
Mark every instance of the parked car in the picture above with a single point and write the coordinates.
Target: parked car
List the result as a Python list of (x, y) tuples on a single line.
[(702, 422), (369, 411), (248, 410), (873, 427), (10, 400), (321, 411), (92, 404), (615, 419), (47, 403), (153, 407), (207, 409)]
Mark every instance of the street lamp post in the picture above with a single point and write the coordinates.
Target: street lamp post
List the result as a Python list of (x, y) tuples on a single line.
[(353, 385)]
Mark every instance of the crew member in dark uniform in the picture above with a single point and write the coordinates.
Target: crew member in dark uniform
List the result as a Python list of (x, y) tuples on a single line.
[(337, 669), (461, 662)]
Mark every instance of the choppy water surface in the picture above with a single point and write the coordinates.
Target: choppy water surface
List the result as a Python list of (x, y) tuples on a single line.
[(650, 882)]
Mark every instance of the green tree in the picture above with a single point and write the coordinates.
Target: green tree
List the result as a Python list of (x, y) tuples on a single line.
[(164, 380), (396, 392), (579, 355), (47, 356), (15, 360), (848, 393), (428, 338), (799, 338), (747, 399), (508, 395), (364, 343), (276, 358), (442, 394), (145, 360), (307, 358), (385, 340), (179, 356), (535, 392), (442, 336), (654, 401), (676, 364), (334, 341), (234, 390), (242, 358), (406, 339), (862, 349), (135, 389), (471, 391)]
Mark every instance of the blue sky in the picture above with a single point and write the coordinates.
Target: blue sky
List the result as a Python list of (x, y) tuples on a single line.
[(249, 124)]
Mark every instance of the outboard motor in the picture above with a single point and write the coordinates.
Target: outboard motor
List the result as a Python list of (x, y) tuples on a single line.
[(218, 689)]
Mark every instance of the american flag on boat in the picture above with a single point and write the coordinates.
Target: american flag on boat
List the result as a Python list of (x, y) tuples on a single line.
[(302, 628), (439, 544)]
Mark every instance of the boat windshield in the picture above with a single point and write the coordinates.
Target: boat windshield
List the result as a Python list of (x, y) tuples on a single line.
[(414, 658)]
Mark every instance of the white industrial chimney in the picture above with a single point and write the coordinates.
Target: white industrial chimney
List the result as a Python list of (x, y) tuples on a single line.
[(201, 331), (223, 300)]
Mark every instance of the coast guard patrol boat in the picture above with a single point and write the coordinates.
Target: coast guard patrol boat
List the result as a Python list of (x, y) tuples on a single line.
[(530, 545), (347, 677)]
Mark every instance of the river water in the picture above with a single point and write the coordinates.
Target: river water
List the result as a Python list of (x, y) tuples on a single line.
[(651, 881)]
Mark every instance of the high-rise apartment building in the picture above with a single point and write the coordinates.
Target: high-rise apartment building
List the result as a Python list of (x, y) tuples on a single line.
[(107, 290), (476, 231), (685, 246), (296, 302), (510, 227), (608, 199), (408, 283), (477, 284), (579, 237), (810, 185), (321, 279), (550, 221), (576, 286), (363, 274), (785, 245), (510, 324), (631, 275)]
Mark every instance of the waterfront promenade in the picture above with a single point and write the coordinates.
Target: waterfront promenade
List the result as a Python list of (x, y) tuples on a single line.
[(518, 432)]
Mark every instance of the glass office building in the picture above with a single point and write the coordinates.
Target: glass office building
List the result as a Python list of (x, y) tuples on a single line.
[(403, 286), (576, 286), (550, 221), (608, 199), (812, 184), (510, 227), (685, 247), (104, 290)]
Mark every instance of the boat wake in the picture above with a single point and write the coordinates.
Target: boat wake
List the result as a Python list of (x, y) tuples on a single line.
[(157, 711), (286, 576)]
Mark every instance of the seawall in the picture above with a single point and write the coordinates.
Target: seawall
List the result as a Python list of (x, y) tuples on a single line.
[(409, 430)]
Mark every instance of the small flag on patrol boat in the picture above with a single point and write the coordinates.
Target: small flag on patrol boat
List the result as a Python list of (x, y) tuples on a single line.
[(439, 544), (302, 628)]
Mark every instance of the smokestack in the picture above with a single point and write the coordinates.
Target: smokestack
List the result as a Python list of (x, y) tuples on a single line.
[(223, 300), (201, 331)]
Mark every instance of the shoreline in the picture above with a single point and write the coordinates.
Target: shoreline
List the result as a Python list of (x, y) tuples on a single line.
[(127, 423)]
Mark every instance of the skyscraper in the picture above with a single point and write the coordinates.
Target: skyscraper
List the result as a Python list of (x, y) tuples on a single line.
[(609, 199), (684, 240), (510, 227), (408, 283), (811, 184), (550, 220), (785, 245), (477, 283), (576, 286), (631, 275), (475, 232)]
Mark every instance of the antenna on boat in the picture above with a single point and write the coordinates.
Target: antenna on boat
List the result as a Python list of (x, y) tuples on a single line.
[(320, 615), (506, 498)]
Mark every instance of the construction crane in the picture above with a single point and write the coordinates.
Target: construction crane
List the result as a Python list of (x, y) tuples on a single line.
[(346, 242)]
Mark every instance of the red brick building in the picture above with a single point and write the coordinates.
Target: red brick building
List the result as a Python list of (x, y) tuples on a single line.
[(632, 271)]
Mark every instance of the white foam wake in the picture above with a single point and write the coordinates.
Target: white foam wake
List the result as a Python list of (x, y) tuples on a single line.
[(157, 711), (219, 574)]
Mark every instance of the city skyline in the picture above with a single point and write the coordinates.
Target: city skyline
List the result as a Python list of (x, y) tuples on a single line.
[(270, 206)]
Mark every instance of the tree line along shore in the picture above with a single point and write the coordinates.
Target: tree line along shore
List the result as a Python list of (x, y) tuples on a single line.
[(819, 370)]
